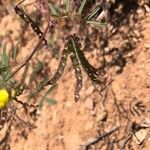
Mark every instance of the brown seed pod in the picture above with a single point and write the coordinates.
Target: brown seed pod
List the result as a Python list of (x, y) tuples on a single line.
[(60, 69), (18, 9)]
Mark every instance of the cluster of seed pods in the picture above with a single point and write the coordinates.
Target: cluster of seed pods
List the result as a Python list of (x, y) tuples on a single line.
[(72, 48)]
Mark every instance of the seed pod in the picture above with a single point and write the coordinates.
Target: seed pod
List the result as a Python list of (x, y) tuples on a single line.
[(78, 75), (92, 72), (28, 20), (77, 68), (60, 69)]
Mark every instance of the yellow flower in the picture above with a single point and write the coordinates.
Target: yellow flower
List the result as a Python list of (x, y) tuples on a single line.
[(5, 96)]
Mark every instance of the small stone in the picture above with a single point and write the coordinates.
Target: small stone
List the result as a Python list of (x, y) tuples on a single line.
[(137, 33), (89, 103), (110, 27), (108, 58), (92, 112), (90, 90), (147, 121), (135, 40), (147, 45), (140, 12), (140, 136), (147, 8), (114, 30), (106, 49), (102, 116), (113, 1)]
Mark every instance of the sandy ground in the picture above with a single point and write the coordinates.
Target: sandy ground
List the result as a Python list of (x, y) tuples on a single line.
[(68, 125)]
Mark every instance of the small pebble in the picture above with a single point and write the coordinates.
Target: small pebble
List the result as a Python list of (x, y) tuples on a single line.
[(102, 116), (147, 45), (90, 90), (89, 103), (136, 32), (147, 8), (140, 136), (92, 112)]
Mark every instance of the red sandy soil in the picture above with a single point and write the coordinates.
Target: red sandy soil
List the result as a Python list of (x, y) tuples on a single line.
[(67, 125)]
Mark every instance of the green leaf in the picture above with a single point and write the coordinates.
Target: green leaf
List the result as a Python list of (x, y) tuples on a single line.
[(38, 89), (41, 85), (4, 56), (45, 98), (50, 101), (53, 10), (3, 68), (5, 60), (7, 74), (38, 68), (67, 6), (51, 89), (82, 6), (93, 13), (100, 24), (15, 52), (24, 75)]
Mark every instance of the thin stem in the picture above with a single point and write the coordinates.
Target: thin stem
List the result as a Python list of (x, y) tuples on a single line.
[(31, 55)]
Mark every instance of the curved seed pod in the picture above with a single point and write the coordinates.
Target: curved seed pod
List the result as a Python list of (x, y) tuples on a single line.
[(77, 68), (78, 75), (18, 9), (60, 69), (92, 72)]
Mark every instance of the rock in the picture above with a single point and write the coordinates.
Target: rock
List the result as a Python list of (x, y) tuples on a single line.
[(137, 33), (140, 136), (135, 39), (89, 103), (102, 116), (90, 90), (147, 45), (140, 12), (106, 49), (147, 8), (92, 112), (108, 58)]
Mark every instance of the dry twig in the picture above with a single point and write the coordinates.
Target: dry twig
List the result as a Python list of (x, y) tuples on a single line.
[(95, 140)]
